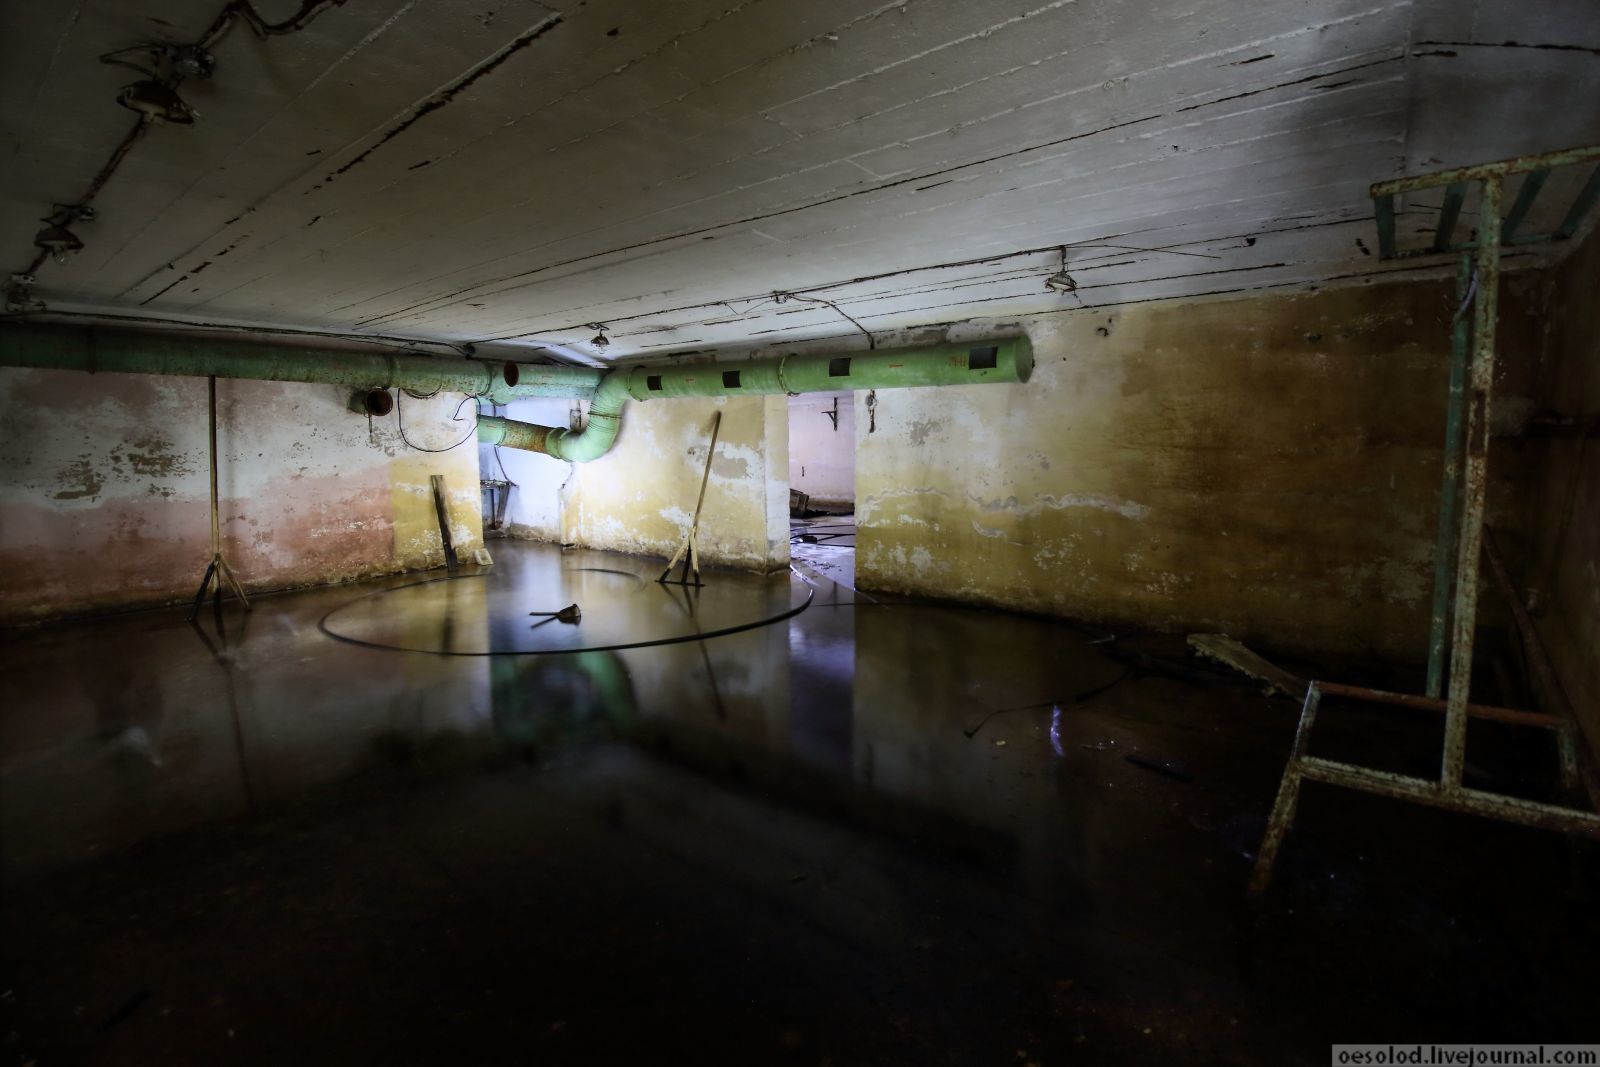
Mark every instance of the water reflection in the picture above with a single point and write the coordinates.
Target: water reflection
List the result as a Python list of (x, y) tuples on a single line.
[(548, 702), (852, 712), (622, 607)]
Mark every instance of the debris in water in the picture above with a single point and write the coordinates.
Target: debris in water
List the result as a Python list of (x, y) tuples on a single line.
[(1166, 767), (1225, 649)]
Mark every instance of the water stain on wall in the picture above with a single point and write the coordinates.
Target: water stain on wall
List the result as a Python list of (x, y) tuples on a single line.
[(79, 479), (1266, 466)]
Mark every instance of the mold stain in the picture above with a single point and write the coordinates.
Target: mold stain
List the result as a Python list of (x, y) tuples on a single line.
[(150, 455), (79, 479)]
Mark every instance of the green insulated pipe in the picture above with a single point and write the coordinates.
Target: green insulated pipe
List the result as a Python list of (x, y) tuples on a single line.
[(999, 360), (576, 446), (204, 355)]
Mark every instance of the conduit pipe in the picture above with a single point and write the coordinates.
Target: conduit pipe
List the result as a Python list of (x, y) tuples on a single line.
[(995, 360), (95, 349), (576, 446)]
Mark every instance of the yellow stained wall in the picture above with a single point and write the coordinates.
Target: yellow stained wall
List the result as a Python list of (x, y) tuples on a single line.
[(640, 496), (417, 544), (1266, 466)]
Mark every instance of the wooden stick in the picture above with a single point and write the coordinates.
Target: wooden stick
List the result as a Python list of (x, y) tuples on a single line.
[(690, 547)]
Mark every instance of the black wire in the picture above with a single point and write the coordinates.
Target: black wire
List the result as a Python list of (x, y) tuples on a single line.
[(501, 464), (400, 422), (871, 341), (792, 610), (309, 9)]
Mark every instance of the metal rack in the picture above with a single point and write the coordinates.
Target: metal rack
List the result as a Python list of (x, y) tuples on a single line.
[(1462, 536)]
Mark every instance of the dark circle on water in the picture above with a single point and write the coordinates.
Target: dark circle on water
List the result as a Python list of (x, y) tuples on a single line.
[(767, 620)]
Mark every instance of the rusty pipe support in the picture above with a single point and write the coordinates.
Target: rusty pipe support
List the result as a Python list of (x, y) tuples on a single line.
[(1475, 476)]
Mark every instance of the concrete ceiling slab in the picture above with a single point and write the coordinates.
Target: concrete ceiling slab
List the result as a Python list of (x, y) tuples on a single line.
[(469, 171)]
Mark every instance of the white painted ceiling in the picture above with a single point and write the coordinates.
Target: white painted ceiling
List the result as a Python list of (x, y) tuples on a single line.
[(475, 170)]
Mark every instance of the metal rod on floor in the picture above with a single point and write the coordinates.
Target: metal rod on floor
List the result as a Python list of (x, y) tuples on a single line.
[(1513, 716), (1449, 493), (1283, 808), (1475, 483)]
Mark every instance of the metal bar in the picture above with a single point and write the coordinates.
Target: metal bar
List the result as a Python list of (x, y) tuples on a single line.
[(1449, 493), (1470, 801), (216, 526), (1384, 208), (1549, 683), (1526, 195), (705, 479), (1283, 808), (1453, 196), (1580, 206), (1475, 482), (1491, 712), (689, 551), (233, 583), (1485, 171)]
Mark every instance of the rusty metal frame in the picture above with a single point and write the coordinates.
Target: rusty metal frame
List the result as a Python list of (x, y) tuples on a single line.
[(1456, 182), (1465, 489), (1441, 794)]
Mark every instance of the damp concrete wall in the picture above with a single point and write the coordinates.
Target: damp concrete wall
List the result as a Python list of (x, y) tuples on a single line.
[(1559, 565), (640, 497), (533, 510), (104, 500), (822, 457), (1267, 466)]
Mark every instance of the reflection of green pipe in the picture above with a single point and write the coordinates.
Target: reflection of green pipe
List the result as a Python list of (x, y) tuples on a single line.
[(540, 702), (139, 352), (979, 362)]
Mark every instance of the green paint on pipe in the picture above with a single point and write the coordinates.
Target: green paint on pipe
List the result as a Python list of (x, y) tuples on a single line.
[(976, 363), (93, 349), (575, 446), (993, 361)]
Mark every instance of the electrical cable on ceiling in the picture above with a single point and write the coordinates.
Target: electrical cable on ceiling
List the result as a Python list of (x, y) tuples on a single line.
[(780, 297), (180, 61)]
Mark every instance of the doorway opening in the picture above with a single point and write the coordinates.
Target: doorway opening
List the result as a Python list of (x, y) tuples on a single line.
[(822, 484)]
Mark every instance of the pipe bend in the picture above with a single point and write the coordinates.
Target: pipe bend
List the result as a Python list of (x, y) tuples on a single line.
[(575, 446)]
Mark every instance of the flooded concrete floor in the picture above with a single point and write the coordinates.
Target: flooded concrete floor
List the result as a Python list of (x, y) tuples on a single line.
[(826, 546), (825, 840)]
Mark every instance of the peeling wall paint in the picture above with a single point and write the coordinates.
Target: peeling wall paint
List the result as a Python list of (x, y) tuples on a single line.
[(1267, 467), (640, 496), (104, 492)]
